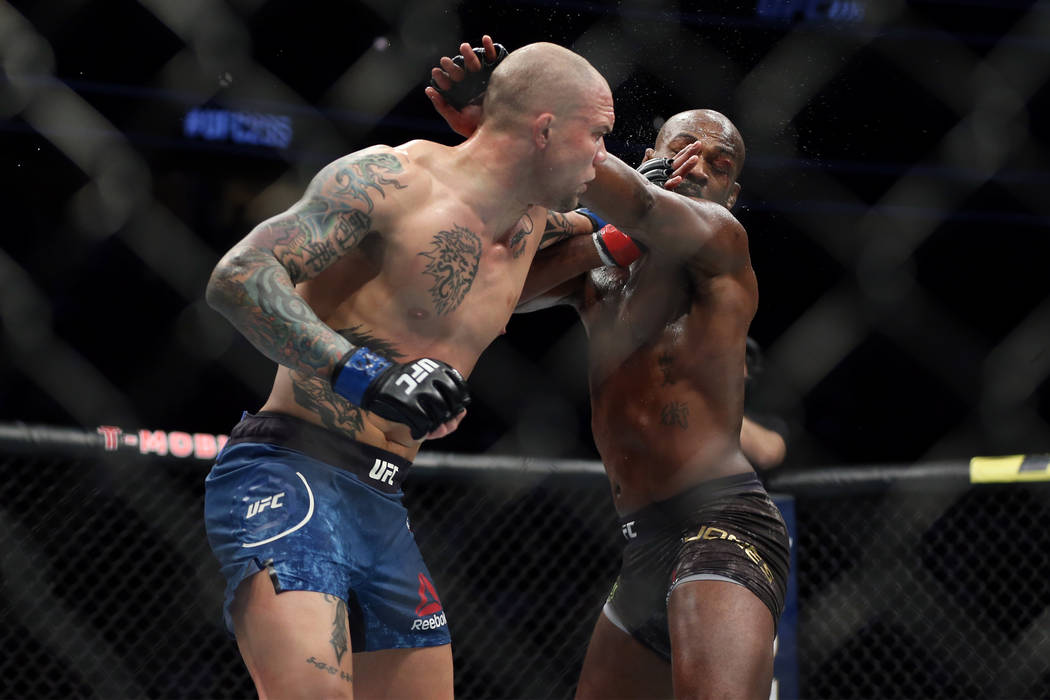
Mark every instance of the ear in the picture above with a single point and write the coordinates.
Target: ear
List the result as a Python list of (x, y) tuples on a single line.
[(541, 130), (733, 194), (649, 153)]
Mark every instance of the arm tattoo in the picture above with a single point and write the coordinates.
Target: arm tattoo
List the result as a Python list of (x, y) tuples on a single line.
[(254, 285), (517, 241), (558, 229), (454, 258), (356, 180), (334, 217), (313, 235), (675, 414), (316, 395), (259, 298)]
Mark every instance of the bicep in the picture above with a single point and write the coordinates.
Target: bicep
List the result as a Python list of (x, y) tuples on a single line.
[(702, 232), (344, 203)]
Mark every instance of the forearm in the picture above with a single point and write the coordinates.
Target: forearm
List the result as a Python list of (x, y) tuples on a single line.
[(256, 294), (552, 268), (763, 447), (619, 194)]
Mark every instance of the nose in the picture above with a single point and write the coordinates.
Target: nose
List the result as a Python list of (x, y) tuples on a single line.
[(601, 154)]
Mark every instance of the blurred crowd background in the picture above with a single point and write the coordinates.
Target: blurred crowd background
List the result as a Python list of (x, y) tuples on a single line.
[(895, 194)]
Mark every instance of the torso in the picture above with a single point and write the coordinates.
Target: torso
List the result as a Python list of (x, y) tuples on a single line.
[(666, 346), (435, 281)]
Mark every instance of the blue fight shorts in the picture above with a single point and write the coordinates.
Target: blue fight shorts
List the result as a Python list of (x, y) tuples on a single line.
[(275, 501)]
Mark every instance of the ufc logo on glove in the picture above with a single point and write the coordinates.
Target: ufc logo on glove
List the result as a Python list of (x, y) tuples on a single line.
[(418, 371)]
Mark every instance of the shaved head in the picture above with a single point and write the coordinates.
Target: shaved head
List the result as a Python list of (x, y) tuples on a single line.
[(704, 121), (539, 78)]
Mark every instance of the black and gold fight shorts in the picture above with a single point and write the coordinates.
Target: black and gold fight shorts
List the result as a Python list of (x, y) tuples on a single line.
[(725, 529)]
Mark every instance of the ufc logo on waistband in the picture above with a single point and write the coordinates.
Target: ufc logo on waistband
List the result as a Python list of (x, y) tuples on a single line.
[(418, 372), (383, 471)]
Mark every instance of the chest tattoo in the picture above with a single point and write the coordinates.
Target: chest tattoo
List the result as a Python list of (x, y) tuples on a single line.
[(453, 263)]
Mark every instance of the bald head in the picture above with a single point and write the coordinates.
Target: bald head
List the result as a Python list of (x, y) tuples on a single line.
[(539, 78), (705, 122)]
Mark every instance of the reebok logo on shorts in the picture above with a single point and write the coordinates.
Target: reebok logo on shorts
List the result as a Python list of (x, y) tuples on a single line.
[(428, 598), (430, 623), (430, 615)]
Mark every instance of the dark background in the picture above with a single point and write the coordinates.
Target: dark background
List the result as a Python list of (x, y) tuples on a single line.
[(895, 195)]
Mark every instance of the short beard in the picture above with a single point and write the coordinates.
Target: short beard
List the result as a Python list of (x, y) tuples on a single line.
[(689, 189)]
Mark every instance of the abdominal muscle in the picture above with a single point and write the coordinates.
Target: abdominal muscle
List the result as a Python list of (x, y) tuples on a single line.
[(658, 440)]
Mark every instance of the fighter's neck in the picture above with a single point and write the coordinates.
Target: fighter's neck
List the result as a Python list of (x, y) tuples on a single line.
[(489, 169)]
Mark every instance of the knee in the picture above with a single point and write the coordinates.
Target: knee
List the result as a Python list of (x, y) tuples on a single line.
[(699, 682), (324, 685)]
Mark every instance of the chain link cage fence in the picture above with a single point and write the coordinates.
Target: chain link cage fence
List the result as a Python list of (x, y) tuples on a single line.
[(912, 583)]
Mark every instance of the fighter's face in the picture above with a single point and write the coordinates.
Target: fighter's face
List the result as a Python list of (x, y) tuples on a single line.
[(577, 146), (721, 159)]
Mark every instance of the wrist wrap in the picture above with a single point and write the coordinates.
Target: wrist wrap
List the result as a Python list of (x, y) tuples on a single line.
[(359, 368), (597, 222)]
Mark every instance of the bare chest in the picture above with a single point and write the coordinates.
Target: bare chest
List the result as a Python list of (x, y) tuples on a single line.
[(663, 316), (443, 289)]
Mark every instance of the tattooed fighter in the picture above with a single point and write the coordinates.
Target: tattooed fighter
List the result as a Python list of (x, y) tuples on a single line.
[(695, 608), (376, 292)]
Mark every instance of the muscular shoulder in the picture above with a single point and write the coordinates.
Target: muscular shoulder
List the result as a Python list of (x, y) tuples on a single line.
[(374, 178), (703, 233), (726, 231)]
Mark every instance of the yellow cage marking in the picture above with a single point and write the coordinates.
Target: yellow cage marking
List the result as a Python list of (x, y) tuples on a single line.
[(1008, 469)]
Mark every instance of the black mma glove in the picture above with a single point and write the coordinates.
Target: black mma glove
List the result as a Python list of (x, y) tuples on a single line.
[(471, 89), (422, 394), (657, 170)]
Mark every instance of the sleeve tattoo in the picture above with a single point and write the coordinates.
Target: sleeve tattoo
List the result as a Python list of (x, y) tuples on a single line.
[(254, 284)]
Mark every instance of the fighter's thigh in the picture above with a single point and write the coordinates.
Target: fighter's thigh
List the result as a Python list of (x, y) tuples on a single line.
[(296, 644), (721, 641), (424, 673), (619, 666)]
